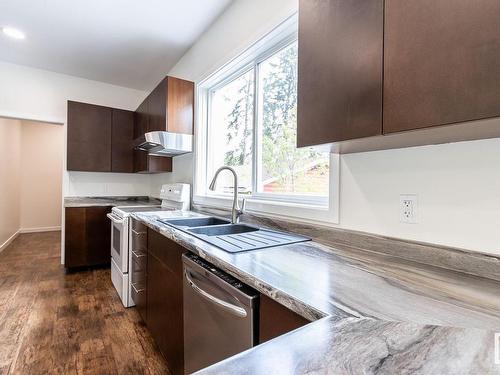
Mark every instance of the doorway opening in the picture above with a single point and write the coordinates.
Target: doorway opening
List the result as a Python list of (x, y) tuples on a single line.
[(31, 163)]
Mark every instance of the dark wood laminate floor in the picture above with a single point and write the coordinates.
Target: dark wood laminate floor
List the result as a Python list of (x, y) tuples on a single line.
[(53, 323)]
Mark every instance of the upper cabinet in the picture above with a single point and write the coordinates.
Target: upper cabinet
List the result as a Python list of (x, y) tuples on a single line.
[(100, 139), (171, 106), (442, 62), (371, 70), (340, 70), (89, 137)]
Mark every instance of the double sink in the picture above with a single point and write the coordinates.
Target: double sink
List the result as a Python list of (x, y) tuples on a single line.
[(232, 238)]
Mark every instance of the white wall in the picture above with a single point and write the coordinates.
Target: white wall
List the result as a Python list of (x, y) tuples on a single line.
[(41, 95), (10, 148), (458, 185), (243, 23)]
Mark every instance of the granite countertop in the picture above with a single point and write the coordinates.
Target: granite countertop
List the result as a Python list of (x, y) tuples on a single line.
[(110, 201), (393, 308)]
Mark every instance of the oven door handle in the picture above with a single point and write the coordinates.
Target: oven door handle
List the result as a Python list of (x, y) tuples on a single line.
[(115, 219), (233, 309)]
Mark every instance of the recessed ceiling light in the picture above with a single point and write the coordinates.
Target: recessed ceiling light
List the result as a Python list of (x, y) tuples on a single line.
[(13, 33)]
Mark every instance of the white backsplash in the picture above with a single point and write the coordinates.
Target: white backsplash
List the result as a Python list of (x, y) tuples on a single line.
[(92, 184), (182, 172)]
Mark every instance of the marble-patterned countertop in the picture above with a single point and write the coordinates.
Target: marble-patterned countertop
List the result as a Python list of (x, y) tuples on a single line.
[(407, 316), (366, 346), (109, 201)]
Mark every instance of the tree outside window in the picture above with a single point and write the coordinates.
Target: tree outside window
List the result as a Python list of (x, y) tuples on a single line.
[(280, 168)]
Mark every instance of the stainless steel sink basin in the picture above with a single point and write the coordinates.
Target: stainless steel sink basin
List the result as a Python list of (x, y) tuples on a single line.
[(232, 238), (223, 230), (195, 222)]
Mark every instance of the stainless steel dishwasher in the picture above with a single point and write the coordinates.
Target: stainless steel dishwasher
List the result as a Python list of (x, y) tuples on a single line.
[(220, 314)]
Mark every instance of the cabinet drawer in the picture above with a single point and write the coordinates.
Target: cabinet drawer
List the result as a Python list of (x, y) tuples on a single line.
[(139, 237), (139, 241), (139, 267), (139, 296), (139, 227)]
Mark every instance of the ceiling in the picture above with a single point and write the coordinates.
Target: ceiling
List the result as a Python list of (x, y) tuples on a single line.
[(130, 43)]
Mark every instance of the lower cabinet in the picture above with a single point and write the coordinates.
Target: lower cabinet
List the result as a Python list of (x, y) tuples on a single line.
[(161, 306), (164, 298), (87, 237), (276, 319)]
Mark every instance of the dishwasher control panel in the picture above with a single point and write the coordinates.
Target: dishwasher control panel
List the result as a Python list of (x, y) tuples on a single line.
[(220, 274)]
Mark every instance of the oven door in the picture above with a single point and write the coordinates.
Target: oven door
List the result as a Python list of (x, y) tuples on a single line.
[(119, 241)]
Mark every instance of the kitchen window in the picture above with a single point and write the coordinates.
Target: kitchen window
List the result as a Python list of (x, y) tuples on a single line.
[(248, 120)]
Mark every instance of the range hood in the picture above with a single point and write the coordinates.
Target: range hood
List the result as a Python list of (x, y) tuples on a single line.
[(165, 143)]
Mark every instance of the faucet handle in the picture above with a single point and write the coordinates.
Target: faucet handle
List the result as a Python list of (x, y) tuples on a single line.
[(243, 204)]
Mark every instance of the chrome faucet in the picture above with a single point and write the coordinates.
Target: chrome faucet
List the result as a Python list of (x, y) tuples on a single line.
[(237, 211)]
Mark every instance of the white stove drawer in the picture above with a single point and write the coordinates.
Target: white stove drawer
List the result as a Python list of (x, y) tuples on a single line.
[(121, 283)]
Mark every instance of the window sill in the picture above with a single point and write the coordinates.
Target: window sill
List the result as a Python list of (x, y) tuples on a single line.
[(293, 211)]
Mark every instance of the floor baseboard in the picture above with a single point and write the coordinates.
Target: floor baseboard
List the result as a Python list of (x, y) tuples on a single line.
[(9, 240), (42, 229)]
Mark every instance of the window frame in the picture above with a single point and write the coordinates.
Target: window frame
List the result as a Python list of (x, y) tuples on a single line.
[(324, 210)]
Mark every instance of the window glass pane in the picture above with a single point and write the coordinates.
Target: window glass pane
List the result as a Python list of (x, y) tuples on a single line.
[(282, 168), (231, 133)]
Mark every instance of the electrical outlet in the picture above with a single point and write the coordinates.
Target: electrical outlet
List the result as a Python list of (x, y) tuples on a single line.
[(408, 208)]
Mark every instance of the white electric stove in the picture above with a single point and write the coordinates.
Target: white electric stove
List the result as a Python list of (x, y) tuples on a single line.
[(175, 197)]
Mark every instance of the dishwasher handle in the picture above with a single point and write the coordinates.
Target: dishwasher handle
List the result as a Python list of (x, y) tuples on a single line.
[(233, 309)]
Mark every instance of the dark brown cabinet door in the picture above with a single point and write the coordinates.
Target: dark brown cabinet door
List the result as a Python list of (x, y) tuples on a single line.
[(89, 137), (340, 70), (158, 107), (171, 106), (122, 140), (87, 237), (141, 119), (164, 298), (180, 108), (140, 161), (276, 319), (98, 236), (75, 254), (441, 63)]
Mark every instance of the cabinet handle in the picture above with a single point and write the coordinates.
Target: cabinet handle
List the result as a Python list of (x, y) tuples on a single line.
[(138, 255), (137, 291), (138, 233)]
